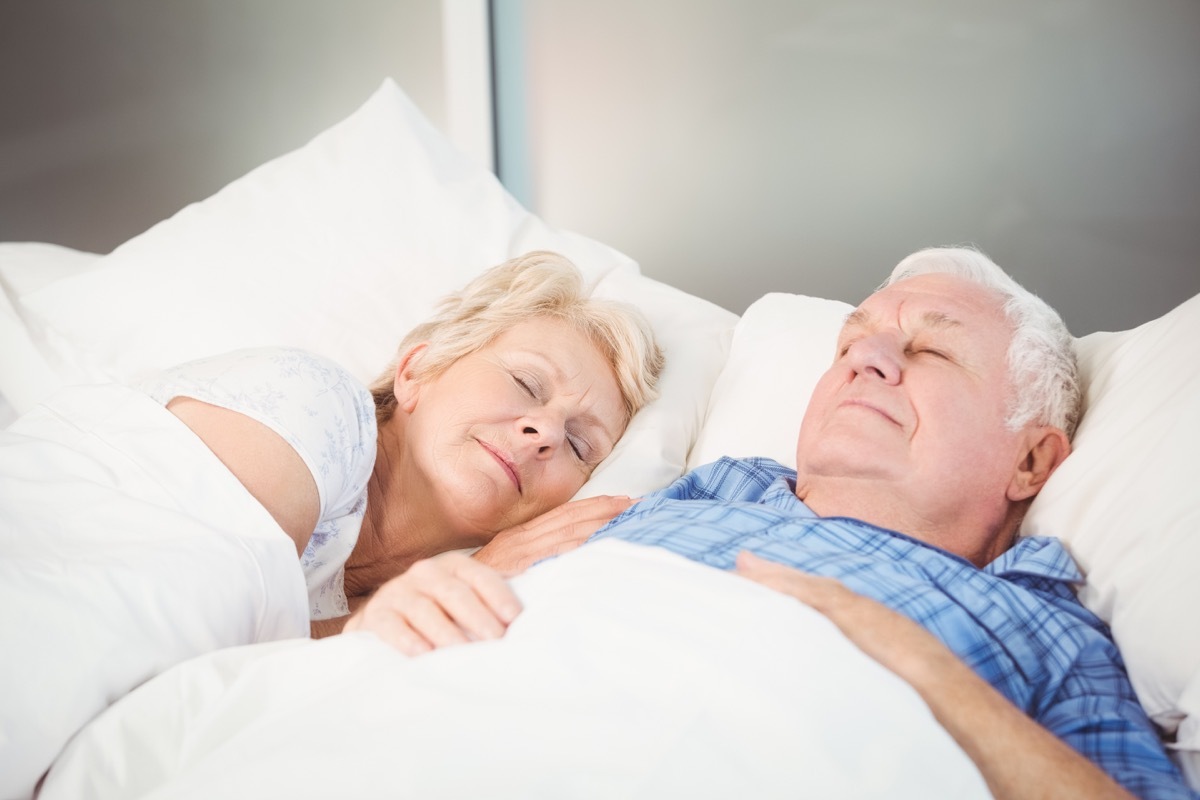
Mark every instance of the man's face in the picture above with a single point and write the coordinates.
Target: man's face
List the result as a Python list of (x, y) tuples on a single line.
[(915, 402)]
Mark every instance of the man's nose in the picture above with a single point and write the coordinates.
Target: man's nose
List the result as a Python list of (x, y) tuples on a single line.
[(876, 356)]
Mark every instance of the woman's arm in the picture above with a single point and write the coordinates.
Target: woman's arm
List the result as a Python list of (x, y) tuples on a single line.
[(1016, 756), (270, 469)]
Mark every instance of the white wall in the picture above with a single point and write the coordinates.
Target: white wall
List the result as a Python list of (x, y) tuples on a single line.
[(116, 114), (732, 148), (735, 148)]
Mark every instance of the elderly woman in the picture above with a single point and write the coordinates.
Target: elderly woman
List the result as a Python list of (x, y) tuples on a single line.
[(166, 542), (495, 411)]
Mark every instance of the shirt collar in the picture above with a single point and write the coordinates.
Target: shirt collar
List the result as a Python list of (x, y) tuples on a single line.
[(781, 494), (1039, 556)]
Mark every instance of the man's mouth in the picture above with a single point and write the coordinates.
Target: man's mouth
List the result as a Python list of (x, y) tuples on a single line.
[(860, 403)]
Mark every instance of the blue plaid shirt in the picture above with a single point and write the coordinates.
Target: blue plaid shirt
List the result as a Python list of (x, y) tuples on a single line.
[(1016, 622)]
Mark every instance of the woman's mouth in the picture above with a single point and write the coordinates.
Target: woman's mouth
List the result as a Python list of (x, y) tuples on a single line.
[(505, 462)]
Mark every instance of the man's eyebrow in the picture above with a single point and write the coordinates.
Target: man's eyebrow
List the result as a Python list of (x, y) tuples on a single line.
[(857, 318), (939, 319), (861, 318)]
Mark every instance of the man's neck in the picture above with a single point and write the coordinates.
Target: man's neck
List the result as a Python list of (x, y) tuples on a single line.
[(976, 535)]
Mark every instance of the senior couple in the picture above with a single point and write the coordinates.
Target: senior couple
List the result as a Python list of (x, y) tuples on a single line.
[(950, 401)]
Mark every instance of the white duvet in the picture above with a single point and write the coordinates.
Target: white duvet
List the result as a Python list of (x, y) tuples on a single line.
[(632, 673), (125, 547)]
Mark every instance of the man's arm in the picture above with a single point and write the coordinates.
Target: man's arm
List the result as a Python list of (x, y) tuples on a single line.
[(1017, 757)]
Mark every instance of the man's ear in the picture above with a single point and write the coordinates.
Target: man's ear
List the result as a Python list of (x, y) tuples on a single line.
[(1045, 447), (405, 385)]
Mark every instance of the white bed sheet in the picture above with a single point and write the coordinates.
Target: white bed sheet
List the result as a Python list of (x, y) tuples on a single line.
[(7, 412), (125, 547), (632, 673)]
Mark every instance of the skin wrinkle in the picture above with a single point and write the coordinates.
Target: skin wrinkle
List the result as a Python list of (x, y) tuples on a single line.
[(557, 377), (433, 465), (946, 408)]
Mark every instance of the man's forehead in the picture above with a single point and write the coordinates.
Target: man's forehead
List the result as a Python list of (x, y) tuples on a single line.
[(937, 299), (865, 318)]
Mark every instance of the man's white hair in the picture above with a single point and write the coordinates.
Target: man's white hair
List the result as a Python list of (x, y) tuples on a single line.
[(1041, 355)]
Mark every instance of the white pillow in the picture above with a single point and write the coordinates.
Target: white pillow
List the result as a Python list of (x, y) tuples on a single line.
[(694, 335), (781, 347), (1123, 503), (26, 267), (339, 247)]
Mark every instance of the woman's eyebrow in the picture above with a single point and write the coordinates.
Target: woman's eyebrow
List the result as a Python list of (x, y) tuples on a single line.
[(552, 368), (587, 418), (593, 424)]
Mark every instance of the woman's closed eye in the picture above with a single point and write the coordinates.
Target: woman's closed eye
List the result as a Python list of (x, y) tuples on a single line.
[(576, 447), (581, 447), (529, 384)]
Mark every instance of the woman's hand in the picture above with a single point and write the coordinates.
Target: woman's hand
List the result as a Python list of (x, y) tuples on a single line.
[(553, 533), (445, 600)]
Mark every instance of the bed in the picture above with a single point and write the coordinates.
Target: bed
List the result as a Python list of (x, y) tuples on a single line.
[(632, 673)]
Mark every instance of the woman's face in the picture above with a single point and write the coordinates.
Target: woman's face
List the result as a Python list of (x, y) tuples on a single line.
[(513, 429)]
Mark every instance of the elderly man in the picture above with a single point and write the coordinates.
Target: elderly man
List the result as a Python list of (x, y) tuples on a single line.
[(950, 402)]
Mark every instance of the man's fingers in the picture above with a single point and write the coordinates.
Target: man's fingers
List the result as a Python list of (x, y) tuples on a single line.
[(811, 590)]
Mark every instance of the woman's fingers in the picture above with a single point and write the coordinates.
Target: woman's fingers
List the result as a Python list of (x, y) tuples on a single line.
[(600, 507), (492, 589), (475, 598), (442, 601), (552, 533)]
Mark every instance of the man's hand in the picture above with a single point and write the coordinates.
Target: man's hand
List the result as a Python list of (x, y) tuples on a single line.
[(889, 637), (553, 533), (1016, 756), (445, 600)]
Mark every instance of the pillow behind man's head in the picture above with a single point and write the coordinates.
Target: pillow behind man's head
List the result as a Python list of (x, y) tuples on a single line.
[(1123, 502)]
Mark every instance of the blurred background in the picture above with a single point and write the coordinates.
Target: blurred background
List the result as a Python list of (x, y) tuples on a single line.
[(731, 148)]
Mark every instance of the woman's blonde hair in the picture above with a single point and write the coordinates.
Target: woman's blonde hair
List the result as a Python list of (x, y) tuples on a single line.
[(537, 284)]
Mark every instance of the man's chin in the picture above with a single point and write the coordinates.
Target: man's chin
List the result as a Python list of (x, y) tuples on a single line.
[(852, 465)]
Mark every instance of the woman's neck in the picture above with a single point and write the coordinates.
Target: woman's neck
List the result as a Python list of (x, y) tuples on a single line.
[(398, 529)]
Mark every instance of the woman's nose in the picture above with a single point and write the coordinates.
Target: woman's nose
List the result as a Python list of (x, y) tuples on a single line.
[(876, 356), (542, 433)]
